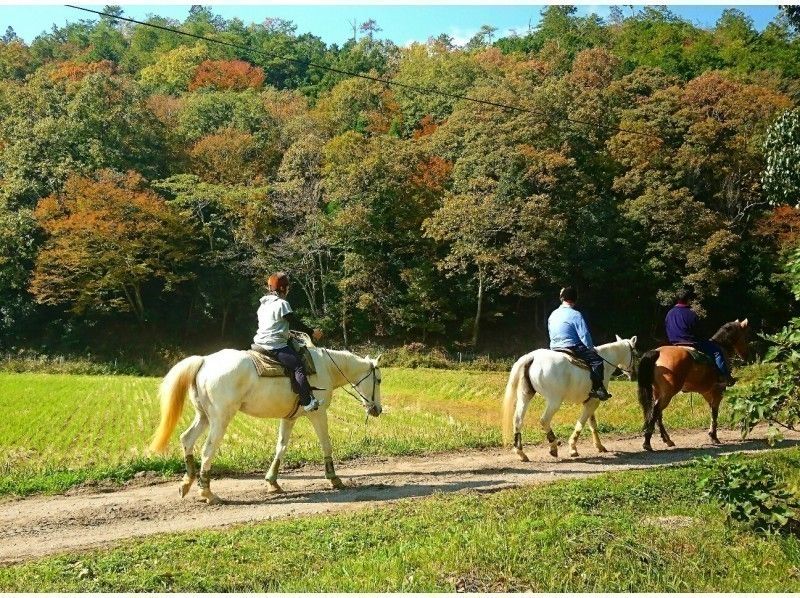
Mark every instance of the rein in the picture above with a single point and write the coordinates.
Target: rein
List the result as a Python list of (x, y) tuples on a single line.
[(368, 403)]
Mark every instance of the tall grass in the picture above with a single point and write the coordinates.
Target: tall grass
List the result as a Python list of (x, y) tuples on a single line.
[(59, 430)]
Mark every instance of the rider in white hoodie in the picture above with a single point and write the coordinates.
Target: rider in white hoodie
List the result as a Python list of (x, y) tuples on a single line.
[(275, 319)]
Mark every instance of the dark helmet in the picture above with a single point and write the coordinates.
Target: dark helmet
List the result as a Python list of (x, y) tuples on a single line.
[(685, 295), (278, 282), (568, 294)]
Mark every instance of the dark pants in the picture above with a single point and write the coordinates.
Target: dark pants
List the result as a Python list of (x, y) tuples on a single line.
[(292, 362), (712, 349), (593, 360)]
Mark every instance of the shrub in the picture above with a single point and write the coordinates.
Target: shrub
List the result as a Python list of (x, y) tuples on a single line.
[(750, 493)]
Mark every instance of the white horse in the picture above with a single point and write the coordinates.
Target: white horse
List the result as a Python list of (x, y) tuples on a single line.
[(551, 374), (223, 383)]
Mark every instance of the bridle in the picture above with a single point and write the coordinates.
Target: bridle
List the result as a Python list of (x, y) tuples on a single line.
[(365, 402), (629, 369)]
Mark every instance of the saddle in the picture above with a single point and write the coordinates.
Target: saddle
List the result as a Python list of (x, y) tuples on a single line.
[(573, 359), (698, 356), (269, 367)]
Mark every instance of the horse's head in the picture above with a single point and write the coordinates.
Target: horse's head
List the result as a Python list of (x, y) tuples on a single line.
[(369, 387), (733, 337), (629, 356)]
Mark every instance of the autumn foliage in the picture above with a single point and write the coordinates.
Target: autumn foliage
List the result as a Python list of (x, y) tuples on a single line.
[(108, 237), (227, 74)]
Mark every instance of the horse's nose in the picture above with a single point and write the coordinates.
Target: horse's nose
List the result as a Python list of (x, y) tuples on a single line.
[(376, 410)]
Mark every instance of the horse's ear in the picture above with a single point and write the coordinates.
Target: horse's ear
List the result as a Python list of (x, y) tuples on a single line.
[(633, 340), (378, 358), (618, 337), (743, 323)]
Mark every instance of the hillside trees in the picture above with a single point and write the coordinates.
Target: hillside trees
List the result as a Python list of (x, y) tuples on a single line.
[(645, 157)]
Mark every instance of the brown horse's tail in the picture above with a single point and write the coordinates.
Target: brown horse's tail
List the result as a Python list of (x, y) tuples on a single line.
[(173, 395), (647, 368)]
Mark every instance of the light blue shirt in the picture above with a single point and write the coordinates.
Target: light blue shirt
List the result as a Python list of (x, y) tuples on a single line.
[(567, 328)]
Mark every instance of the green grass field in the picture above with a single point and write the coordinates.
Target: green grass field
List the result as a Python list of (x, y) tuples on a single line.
[(643, 531), (61, 430)]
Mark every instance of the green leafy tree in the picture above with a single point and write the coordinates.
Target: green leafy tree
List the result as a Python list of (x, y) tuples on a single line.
[(19, 242), (781, 176), (232, 222), (174, 70), (775, 397), (58, 128)]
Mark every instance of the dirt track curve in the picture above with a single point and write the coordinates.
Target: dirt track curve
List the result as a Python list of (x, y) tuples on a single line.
[(87, 518)]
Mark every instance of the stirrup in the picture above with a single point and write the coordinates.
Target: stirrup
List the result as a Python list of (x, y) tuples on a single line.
[(312, 406)]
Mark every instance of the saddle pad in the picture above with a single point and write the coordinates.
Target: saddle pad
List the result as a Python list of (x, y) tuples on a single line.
[(698, 356), (267, 367), (572, 358)]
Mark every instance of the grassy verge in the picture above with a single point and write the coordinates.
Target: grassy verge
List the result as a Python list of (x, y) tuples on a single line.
[(60, 430), (633, 531)]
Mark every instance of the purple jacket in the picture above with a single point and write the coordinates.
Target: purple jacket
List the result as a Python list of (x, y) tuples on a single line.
[(681, 323)]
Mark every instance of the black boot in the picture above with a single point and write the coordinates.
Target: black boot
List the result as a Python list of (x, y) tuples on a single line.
[(600, 393)]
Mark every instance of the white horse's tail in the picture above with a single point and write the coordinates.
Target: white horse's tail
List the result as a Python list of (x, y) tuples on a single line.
[(172, 394), (518, 383)]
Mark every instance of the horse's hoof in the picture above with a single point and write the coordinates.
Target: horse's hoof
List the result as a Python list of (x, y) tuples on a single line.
[(336, 483), (714, 439), (554, 451), (521, 454), (669, 442), (646, 446), (602, 449), (184, 489), (210, 498), (273, 487), (573, 453)]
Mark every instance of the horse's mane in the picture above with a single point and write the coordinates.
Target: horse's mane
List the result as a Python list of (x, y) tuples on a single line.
[(727, 334)]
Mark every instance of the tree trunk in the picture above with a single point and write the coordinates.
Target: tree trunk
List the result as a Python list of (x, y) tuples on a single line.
[(137, 295), (344, 321), (477, 326), (225, 310)]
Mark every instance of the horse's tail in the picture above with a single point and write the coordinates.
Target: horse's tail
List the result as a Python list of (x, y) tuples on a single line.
[(647, 367), (518, 383), (172, 394)]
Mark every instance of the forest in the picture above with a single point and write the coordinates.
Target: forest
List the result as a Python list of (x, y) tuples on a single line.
[(150, 182)]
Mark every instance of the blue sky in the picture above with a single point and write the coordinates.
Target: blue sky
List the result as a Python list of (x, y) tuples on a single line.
[(402, 24)]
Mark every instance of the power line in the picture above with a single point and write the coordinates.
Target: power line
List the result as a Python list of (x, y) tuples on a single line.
[(306, 63)]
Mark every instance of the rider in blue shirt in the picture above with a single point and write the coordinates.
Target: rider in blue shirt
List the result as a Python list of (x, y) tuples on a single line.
[(568, 330)]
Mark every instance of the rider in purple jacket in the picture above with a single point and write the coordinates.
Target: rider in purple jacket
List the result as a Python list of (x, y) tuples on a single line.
[(681, 324)]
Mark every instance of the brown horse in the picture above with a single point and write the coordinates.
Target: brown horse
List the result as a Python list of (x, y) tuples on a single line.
[(667, 370)]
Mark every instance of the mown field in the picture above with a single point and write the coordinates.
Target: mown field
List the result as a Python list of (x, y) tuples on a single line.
[(637, 531), (60, 430)]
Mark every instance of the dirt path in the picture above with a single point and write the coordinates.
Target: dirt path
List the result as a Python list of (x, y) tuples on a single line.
[(85, 518)]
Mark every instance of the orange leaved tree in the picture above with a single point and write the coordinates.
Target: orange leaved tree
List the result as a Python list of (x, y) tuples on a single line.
[(108, 239)]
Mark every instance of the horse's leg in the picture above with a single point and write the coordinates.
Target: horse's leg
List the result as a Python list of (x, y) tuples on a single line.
[(210, 447), (595, 434), (319, 419), (714, 398), (188, 440), (519, 415), (662, 430), (573, 440), (659, 397), (549, 411), (284, 431)]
